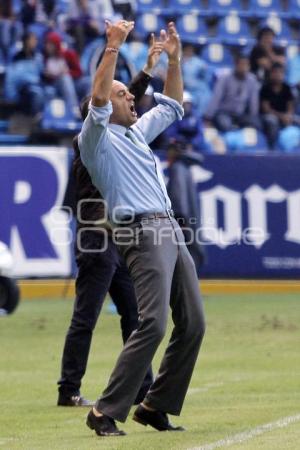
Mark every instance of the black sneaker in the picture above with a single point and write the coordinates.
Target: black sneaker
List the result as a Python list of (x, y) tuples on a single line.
[(103, 425), (74, 400), (156, 419)]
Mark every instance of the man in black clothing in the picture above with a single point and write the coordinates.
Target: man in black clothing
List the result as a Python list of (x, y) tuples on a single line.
[(277, 104), (265, 53), (99, 271)]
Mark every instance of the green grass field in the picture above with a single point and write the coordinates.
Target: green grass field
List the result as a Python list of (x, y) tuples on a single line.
[(248, 374)]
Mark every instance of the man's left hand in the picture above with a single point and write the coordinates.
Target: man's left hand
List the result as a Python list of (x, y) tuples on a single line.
[(155, 49), (171, 42)]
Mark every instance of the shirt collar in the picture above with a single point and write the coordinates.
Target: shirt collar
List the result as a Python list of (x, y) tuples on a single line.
[(118, 128)]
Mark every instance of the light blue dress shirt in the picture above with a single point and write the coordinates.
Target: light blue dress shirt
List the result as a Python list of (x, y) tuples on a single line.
[(124, 172)]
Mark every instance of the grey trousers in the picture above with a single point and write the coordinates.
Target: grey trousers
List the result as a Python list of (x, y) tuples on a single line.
[(164, 275)]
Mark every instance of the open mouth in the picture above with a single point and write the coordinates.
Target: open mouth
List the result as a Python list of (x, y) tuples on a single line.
[(133, 111)]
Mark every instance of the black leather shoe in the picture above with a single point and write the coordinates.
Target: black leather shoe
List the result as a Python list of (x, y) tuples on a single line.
[(103, 425), (157, 419), (74, 400)]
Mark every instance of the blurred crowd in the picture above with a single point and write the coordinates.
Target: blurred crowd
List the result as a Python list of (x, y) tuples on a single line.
[(42, 44)]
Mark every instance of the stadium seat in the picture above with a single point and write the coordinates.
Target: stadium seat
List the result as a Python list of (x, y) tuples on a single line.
[(291, 51), (62, 6), (217, 55), (16, 6), (2, 62), (152, 6), (91, 51), (186, 6), (245, 140), (135, 53), (289, 139), (13, 139), (39, 29), (13, 50), (4, 125), (281, 28), (58, 117), (293, 10), (192, 29), (221, 8), (149, 23), (234, 31), (261, 8)]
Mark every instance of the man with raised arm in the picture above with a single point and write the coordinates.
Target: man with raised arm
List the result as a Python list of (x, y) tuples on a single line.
[(113, 145)]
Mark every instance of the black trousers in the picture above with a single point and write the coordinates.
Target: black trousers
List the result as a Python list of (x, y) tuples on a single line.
[(98, 273)]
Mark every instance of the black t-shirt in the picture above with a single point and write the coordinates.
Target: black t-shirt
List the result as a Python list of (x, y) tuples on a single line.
[(278, 100)]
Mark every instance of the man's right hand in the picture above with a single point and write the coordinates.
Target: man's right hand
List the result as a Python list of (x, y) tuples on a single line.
[(117, 33)]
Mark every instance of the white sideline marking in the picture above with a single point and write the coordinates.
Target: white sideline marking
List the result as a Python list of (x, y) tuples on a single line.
[(246, 435), (205, 388), (4, 441)]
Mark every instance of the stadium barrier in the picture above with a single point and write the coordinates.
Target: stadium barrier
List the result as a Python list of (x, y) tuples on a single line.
[(249, 206)]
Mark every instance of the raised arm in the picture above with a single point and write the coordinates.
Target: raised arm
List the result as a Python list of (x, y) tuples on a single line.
[(141, 81), (116, 35), (155, 121), (173, 87)]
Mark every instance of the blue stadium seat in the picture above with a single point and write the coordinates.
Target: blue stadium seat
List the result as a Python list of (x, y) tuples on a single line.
[(261, 8), (58, 117), (293, 10), (281, 28), (149, 23), (152, 6), (39, 29), (186, 6), (16, 6), (234, 31), (13, 50), (13, 139), (192, 29), (217, 55), (221, 8), (245, 140), (2, 62), (4, 125), (289, 139), (92, 50), (135, 53), (62, 6)]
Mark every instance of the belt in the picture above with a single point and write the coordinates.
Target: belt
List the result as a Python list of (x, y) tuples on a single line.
[(127, 220)]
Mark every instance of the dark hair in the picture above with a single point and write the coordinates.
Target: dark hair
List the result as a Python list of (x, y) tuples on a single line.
[(276, 66), (27, 35), (240, 56), (84, 106), (264, 30)]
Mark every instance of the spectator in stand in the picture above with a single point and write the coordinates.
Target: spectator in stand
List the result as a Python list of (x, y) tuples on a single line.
[(189, 129), (23, 83), (42, 11), (9, 27), (62, 71), (86, 20), (277, 104), (196, 77), (265, 53), (126, 8), (235, 100), (293, 77), (183, 194)]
